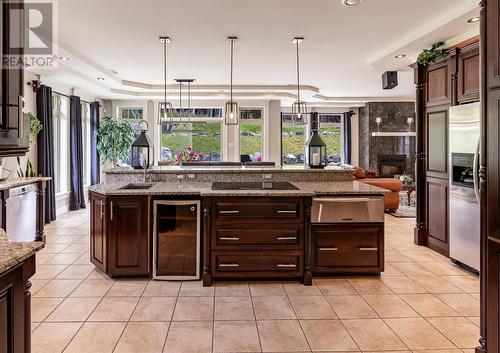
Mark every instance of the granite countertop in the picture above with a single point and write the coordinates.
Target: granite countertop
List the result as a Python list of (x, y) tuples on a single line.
[(204, 189), (222, 169), (12, 254), (14, 183)]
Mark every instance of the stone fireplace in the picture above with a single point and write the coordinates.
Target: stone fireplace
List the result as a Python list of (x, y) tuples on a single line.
[(390, 155), (391, 165)]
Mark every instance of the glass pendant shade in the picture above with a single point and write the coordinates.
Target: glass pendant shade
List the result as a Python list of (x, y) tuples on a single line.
[(299, 112), (232, 113), (164, 112)]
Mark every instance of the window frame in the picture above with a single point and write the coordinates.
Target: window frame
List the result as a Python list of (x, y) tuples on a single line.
[(263, 135)]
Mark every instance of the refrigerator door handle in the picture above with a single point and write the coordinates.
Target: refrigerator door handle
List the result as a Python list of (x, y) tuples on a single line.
[(475, 171)]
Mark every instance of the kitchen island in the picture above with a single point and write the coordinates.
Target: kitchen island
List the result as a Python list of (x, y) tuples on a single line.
[(244, 233), (17, 265)]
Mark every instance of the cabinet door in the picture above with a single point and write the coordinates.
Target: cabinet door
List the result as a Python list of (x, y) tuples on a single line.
[(437, 142), (437, 215), (493, 40), (128, 236), (468, 76), (12, 335), (98, 228), (438, 88)]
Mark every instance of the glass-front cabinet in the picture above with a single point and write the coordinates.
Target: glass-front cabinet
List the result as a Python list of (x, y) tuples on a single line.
[(176, 240)]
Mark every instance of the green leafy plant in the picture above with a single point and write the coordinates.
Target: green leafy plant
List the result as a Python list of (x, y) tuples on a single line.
[(29, 172), (35, 127), (114, 139), (435, 53)]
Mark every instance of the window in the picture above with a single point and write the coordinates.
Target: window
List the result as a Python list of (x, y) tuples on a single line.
[(251, 134), (85, 113), (293, 138), (330, 130), (60, 106), (203, 134), (133, 115)]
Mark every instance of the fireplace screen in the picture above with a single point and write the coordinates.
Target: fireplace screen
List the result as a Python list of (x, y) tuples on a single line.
[(391, 165)]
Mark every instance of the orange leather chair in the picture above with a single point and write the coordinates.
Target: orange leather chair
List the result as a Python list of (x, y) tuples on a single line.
[(391, 200)]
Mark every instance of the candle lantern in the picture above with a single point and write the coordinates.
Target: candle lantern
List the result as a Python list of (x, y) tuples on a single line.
[(142, 149), (315, 146)]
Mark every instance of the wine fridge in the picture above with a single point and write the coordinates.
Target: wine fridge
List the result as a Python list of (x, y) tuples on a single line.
[(176, 240)]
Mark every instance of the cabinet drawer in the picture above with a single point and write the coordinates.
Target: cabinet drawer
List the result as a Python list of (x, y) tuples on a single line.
[(255, 235), (344, 246), (286, 209), (255, 262)]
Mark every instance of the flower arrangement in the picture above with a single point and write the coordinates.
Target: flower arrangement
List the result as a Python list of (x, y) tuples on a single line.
[(405, 178), (188, 155)]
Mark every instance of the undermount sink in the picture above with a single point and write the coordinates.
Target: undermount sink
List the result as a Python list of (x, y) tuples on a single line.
[(137, 186), (276, 185)]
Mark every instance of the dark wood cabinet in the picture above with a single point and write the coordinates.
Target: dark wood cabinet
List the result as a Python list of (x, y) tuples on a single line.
[(14, 126), (15, 309), (120, 235), (437, 214), (437, 141), (98, 230), (253, 238), (341, 248), (439, 88), (468, 74)]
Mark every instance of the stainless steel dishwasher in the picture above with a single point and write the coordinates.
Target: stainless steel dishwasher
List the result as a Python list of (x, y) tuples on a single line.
[(21, 213)]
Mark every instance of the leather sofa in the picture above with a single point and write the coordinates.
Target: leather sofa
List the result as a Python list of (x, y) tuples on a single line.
[(391, 200)]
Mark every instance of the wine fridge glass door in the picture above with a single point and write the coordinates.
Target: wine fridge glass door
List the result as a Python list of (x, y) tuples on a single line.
[(176, 240)]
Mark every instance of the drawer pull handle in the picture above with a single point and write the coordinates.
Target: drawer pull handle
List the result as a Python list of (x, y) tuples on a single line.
[(328, 249), (231, 264), (229, 238), (368, 249), (287, 238), (229, 212), (286, 265), (286, 211), (348, 219)]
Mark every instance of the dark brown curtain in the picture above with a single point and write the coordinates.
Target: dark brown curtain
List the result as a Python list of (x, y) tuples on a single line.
[(76, 155), (46, 148)]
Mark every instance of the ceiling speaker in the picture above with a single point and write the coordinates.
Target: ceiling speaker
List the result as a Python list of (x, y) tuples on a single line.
[(389, 79)]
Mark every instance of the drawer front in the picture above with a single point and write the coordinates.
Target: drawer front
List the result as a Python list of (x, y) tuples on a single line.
[(356, 247), (257, 263), (279, 209), (255, 235)]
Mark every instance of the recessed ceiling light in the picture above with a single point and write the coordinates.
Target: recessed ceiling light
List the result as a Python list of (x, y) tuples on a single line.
[(351, 2), (100, 79), (400, 56), (63, 58), (473, 19)]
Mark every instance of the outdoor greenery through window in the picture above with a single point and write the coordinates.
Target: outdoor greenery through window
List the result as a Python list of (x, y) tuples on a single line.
[(251, 134), (203, 134), (330, 130), (294, 136), (133, 115)]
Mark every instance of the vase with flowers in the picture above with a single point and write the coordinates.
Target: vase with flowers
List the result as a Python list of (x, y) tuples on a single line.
[(406, 179), (188, 155)]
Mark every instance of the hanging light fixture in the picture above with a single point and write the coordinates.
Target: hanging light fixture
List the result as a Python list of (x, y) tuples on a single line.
[(181, 119), (232, 111), (164, 108), (299, 107)]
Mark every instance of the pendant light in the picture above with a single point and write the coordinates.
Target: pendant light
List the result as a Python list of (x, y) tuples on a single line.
[(232, 111), (299, 107), (164, 108), (181, 120)]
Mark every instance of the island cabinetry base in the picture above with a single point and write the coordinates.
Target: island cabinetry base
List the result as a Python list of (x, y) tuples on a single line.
[(345, 248), (120, 235), (254, 238)]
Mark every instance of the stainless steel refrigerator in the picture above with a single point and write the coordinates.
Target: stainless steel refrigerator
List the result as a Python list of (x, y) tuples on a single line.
[(463, 164)]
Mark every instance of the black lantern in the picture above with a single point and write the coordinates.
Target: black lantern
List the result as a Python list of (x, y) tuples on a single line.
[(142, 149), (315, 146)]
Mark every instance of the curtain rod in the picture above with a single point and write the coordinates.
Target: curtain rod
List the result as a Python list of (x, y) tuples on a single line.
[(67, 96)]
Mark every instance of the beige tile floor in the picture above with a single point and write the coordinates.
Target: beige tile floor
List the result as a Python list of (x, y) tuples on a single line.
[(422, 303)]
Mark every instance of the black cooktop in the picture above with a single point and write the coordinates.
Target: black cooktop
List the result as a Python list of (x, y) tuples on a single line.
[(275, 185)]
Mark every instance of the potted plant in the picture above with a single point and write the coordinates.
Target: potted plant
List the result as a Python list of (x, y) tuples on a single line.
[(433, 54), (35, 127), (114, 139)]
